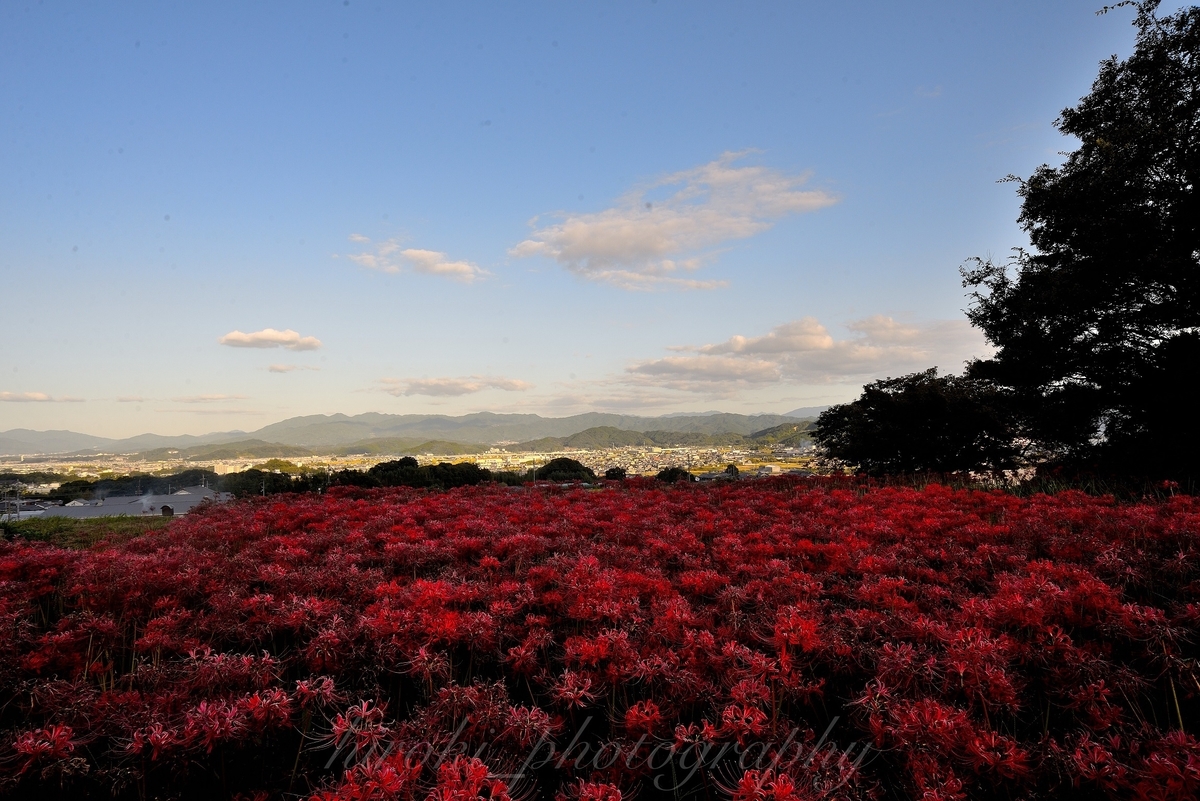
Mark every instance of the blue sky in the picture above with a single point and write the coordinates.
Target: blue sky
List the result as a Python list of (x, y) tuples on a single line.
[(218, 215)]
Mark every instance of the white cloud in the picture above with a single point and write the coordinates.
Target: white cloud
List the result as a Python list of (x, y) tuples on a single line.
[(703, 373), (805, 334), (433, 262), (130, 399), (270, 338), (389, 257), (35, 397), (448, 387), (287, 368), (208, 398), (642, 243), (804, 351)]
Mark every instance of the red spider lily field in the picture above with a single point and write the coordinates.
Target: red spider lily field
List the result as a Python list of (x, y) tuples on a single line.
[(774, 640)]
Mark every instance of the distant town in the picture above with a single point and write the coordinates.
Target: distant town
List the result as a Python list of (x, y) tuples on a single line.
[(704, 445), (637, 460)]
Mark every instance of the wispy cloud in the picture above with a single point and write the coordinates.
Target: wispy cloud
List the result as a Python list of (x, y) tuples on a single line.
[(604, 396), (270, 338), (804, 351), (446, 387), (35, 397), (209, 398), (215, 412), (287, 368), (390, 257), (130, 399), (647, 243)]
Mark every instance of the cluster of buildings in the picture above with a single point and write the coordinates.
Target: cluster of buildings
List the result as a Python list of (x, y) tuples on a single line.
[(180, 502), (636, 460), (648, 460)]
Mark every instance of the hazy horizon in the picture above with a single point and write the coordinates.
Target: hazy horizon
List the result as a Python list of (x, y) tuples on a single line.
[(266, 424), (218, 217)]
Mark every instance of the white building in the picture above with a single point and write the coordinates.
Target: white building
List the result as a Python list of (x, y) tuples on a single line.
[(177, 503)]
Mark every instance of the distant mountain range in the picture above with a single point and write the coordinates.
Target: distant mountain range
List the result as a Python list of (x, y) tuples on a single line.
[(806, 411), (19, 441), (365, 433)]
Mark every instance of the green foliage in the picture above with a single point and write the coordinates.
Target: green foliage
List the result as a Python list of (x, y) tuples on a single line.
[(669, 439), (672, 475), (407, 473), (268, 482), (140, 484), (404, 472), (615, 474), (605, 437), (564, 470), (921, 423), (509, 478), (352, 478), (72, 533), (1096, 326), (36, 477)]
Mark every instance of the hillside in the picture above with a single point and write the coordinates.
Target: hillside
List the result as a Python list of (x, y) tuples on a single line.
[(246, 449), (406, 447), (791, 434)]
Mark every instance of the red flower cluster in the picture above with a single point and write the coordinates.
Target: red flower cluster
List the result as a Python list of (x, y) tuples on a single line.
[(777, 640)]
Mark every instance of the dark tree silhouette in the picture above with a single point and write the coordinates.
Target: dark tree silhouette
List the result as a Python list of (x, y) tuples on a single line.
[(563, 469), (407, 473), (1096, 327), (921, 422), (674, 474)]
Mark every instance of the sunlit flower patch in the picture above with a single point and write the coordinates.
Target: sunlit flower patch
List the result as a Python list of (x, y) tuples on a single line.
[(772, 640)]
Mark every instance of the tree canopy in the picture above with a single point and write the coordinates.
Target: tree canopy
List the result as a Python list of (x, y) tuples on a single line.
[(406, 472), (672, 475), (564, 469), (920, 423), (1097, 324), (1096, 327)]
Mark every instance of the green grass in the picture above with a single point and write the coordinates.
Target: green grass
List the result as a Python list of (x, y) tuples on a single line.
[(66, 532)]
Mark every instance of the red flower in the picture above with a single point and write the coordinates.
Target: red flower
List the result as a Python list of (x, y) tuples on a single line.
[(643, 718)]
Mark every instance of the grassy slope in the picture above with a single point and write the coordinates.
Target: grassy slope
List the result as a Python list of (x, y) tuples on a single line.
[(70, 533)]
